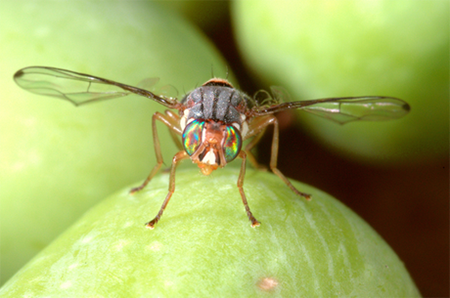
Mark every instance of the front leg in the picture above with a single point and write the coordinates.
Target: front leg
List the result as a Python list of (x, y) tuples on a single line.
[(240, 185), (176, 159)]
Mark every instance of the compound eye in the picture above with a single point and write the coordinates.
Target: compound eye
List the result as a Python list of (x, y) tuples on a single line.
[(192, 136), (232, 144)]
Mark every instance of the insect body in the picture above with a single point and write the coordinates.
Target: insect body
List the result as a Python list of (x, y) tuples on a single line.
[(213, 120), (213, 124)]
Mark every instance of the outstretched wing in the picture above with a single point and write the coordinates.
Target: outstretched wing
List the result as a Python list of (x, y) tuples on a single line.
[(79, 88), (345, 109)]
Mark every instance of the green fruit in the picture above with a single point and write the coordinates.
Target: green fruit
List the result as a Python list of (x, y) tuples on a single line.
[(352, 48), (205, 14), (56, 160), (204, 246)]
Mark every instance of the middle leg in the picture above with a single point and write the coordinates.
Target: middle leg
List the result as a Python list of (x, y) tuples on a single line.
[(256, 129), (168, 120)]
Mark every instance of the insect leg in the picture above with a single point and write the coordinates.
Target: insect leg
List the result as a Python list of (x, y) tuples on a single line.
[(260, 126), (175, 120), (240, 185), (250, 146), (176, 159), (159, 159)]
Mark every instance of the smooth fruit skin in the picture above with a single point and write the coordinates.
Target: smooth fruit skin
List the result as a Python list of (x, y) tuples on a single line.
[(331, 48), (205, 14), (56, 160), (204, 246)]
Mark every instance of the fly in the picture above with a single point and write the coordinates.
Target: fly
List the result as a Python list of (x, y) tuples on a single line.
[(213, 120)]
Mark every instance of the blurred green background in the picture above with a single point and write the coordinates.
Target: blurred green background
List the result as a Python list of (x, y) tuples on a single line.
[(313, 49)]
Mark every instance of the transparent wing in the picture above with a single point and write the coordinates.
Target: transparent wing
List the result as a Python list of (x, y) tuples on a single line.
[(79, 88), (345, 109), (155, 86)]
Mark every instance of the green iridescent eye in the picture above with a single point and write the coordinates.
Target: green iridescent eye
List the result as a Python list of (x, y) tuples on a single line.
[(232, 144), (191, 136)]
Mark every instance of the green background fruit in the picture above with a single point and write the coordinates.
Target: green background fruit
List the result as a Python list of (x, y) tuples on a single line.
[(57, 160), (351, 48), (204, 245), (206, 14)]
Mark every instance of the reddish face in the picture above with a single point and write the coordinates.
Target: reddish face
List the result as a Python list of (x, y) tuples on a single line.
[(211, 144)]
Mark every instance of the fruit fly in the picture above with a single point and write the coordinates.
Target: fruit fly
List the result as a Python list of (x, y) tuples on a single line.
[(213, 120)]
